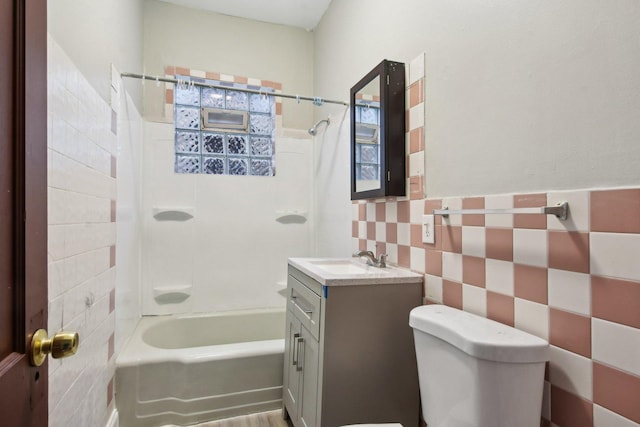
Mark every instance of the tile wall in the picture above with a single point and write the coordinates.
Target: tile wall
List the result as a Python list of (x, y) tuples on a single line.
[(81, 247), (575, 283)]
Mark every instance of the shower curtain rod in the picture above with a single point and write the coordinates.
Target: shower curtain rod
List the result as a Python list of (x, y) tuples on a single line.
[(316, 100)]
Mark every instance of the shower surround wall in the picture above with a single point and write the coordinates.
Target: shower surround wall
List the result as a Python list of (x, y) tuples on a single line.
[(87, 166)]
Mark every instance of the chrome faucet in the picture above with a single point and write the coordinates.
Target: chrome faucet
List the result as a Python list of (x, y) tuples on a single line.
[(371, 258)]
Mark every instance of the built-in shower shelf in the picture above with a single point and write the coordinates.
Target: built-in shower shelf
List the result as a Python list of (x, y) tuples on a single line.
[(173, 213), (171, 294), (291, 216)]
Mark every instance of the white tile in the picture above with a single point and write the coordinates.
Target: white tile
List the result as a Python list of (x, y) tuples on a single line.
[(532, 317), (474, 300), (570, 372), (416, 116), (570, 291), (392, 253), (362, 229), (473, 241), (499, 275), (391, 212), (579, 211), (434, 288), (355, 245), (616, 345), (381, 231), (603, 417), (416, 210), (416, 164), (615, 255), (371, 211), (453, 203), (416, 68), (530, 247), (417, 259), (503, 201), (404, 234), (452, 266)]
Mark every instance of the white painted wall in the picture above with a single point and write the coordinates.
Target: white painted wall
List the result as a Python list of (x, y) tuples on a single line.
[(180, 36), (232, 253), (96, 34), (520, 96)]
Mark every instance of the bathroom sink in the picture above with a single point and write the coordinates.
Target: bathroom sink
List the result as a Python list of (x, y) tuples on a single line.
[(346, 266), (351, 271)]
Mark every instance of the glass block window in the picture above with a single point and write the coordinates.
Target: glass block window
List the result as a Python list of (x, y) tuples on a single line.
[(367, 140), (223, 151)]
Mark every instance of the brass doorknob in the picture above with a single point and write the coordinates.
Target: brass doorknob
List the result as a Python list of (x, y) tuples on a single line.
[(63, 344)]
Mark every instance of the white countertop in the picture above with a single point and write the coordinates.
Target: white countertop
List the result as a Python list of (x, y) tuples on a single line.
[(352, 271)]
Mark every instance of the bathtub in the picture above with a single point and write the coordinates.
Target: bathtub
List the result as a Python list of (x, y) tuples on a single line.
[(189, 369)]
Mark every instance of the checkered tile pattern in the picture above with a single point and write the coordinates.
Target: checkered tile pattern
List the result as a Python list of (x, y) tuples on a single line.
[(575, 283), (171, 72)]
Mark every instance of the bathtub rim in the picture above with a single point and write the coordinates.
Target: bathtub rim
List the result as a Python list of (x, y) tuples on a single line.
[(136, 352)]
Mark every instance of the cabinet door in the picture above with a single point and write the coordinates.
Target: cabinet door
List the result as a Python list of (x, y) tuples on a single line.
[(292, 377), (308, 356)]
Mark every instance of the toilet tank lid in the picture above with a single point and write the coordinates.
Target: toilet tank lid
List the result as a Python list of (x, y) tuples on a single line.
[(479, 337)]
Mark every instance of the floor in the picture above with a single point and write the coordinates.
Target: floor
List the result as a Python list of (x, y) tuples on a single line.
[(262, 419)]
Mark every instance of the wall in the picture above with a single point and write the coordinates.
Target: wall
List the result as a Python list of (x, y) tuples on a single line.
[(233, 253), (513, 91), (96, 34), (82, 236), (179, 36)]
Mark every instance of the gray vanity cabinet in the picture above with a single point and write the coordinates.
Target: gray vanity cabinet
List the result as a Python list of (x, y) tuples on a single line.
[(349, 353)]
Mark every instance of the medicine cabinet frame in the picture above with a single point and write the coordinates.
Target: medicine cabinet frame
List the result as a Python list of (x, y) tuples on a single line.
[(390, 132)]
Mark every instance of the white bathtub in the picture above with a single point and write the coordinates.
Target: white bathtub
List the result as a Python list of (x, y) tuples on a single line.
[(188, 369)]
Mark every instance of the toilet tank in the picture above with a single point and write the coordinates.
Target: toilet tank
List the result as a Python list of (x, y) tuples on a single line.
[(475, 372)]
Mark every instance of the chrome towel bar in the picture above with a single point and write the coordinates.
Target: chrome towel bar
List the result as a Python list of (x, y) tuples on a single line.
[(561, 211)]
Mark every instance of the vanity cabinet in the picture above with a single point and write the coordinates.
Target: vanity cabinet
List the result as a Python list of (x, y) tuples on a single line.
[(349, 352)]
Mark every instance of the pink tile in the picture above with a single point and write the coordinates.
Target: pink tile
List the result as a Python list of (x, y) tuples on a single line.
[(212, 76), (416, 94), (531, 283), (404, 256), (112, 256), (183, 71), (362, 244), (452, 239), (536, 221), (168, 96), (452, 294), (272, 84), (626, 204), (403, 211), (392, 232), (362, 212), (114, 167), (416, 187), (381, 212), (570, 331), (354, 228), (416, 235), (433, 262), (430, 205), (170, 70), (371, 230), (616, 300), (278, 108), (381, 248), (500, 308), (473, 203), (416, 140), (110, 392), (473, 271), (569, 251), (113, 211), (111, 347), (240, 79), (112, 300), (569, 410), (617, 391), (499, 243)]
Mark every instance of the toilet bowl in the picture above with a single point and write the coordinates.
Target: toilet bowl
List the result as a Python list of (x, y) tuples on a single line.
[(475, 372)]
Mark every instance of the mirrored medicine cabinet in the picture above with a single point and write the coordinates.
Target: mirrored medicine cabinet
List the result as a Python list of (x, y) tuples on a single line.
[(378, 133)]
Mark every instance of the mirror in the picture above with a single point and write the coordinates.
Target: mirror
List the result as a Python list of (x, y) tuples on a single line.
[(378, 133)]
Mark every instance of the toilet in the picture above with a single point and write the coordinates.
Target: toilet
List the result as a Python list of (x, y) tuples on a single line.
[(475, 372)]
